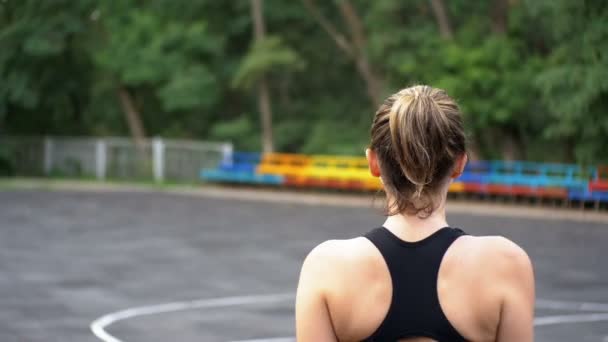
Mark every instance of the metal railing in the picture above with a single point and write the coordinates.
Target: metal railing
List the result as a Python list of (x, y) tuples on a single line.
[(155, 159)]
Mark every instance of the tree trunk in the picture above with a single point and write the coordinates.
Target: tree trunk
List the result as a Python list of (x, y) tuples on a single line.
[(263, 91), (359, 41), (499, 15), (132, 116), (354, 48), (509, 148), (442, 18), (509, 140), (72, 96), (266, 112), (473, 152), (373, 84), (76, 108)]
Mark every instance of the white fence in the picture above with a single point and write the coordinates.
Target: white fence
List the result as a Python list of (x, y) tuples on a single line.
[(114, 158)]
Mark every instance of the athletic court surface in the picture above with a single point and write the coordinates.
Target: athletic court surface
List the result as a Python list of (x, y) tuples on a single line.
[(151, 266)]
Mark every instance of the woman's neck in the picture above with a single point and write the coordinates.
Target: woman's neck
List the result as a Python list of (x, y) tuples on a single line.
[(414, 228)]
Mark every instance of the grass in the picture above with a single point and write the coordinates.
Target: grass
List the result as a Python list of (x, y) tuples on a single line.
[(49, 183)]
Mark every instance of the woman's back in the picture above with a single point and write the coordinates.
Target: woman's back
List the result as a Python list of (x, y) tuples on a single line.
[(479, 280)]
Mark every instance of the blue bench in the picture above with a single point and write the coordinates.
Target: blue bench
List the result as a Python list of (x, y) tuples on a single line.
[(588, 196), (240, 167), (529, 174), (236, 176)]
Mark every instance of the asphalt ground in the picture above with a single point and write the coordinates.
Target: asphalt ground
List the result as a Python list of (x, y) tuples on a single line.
[(227, 268)]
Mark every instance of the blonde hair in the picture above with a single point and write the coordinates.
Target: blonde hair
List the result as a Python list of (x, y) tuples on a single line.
[(417, 135)]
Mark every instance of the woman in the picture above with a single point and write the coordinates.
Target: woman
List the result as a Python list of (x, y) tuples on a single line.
[(415, 278)]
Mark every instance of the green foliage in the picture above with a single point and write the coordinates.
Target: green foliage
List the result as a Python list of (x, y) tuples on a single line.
[(240, 130), (266, 56), (574, 83), (541, 86), (193, 87), (43, 81), (144, 49), (333, 137)]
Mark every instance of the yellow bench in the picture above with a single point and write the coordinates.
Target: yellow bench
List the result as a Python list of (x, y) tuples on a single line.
[(341, 172), (283, 164), (456, 187)]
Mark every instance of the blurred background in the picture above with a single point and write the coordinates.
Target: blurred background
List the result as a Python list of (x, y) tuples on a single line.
[(279, 94), (306, 76)]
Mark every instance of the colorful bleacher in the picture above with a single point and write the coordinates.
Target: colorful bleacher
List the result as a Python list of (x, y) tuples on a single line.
[(240, 168), (566, 182)]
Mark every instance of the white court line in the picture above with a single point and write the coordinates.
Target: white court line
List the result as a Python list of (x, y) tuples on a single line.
[(539, 321), (563, 319), (577, 306), (274, 339), (99, 325)]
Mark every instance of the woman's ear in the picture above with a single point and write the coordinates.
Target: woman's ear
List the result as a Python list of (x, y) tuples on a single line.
[(372, 161), (460, 164)]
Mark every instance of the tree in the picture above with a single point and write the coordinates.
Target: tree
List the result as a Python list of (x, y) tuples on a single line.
[(499, 16), (530, 75), (263, 95), (574, 83), (43, 66), (354, 46), (267, 55), (144, 50), (442, 18)]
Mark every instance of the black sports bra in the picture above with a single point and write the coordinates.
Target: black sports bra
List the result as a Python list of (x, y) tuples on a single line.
[(414, 266)]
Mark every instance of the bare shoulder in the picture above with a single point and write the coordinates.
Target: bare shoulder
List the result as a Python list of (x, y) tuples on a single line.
[(341, 253), (498, 256), (504, 251), (336, 260)]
